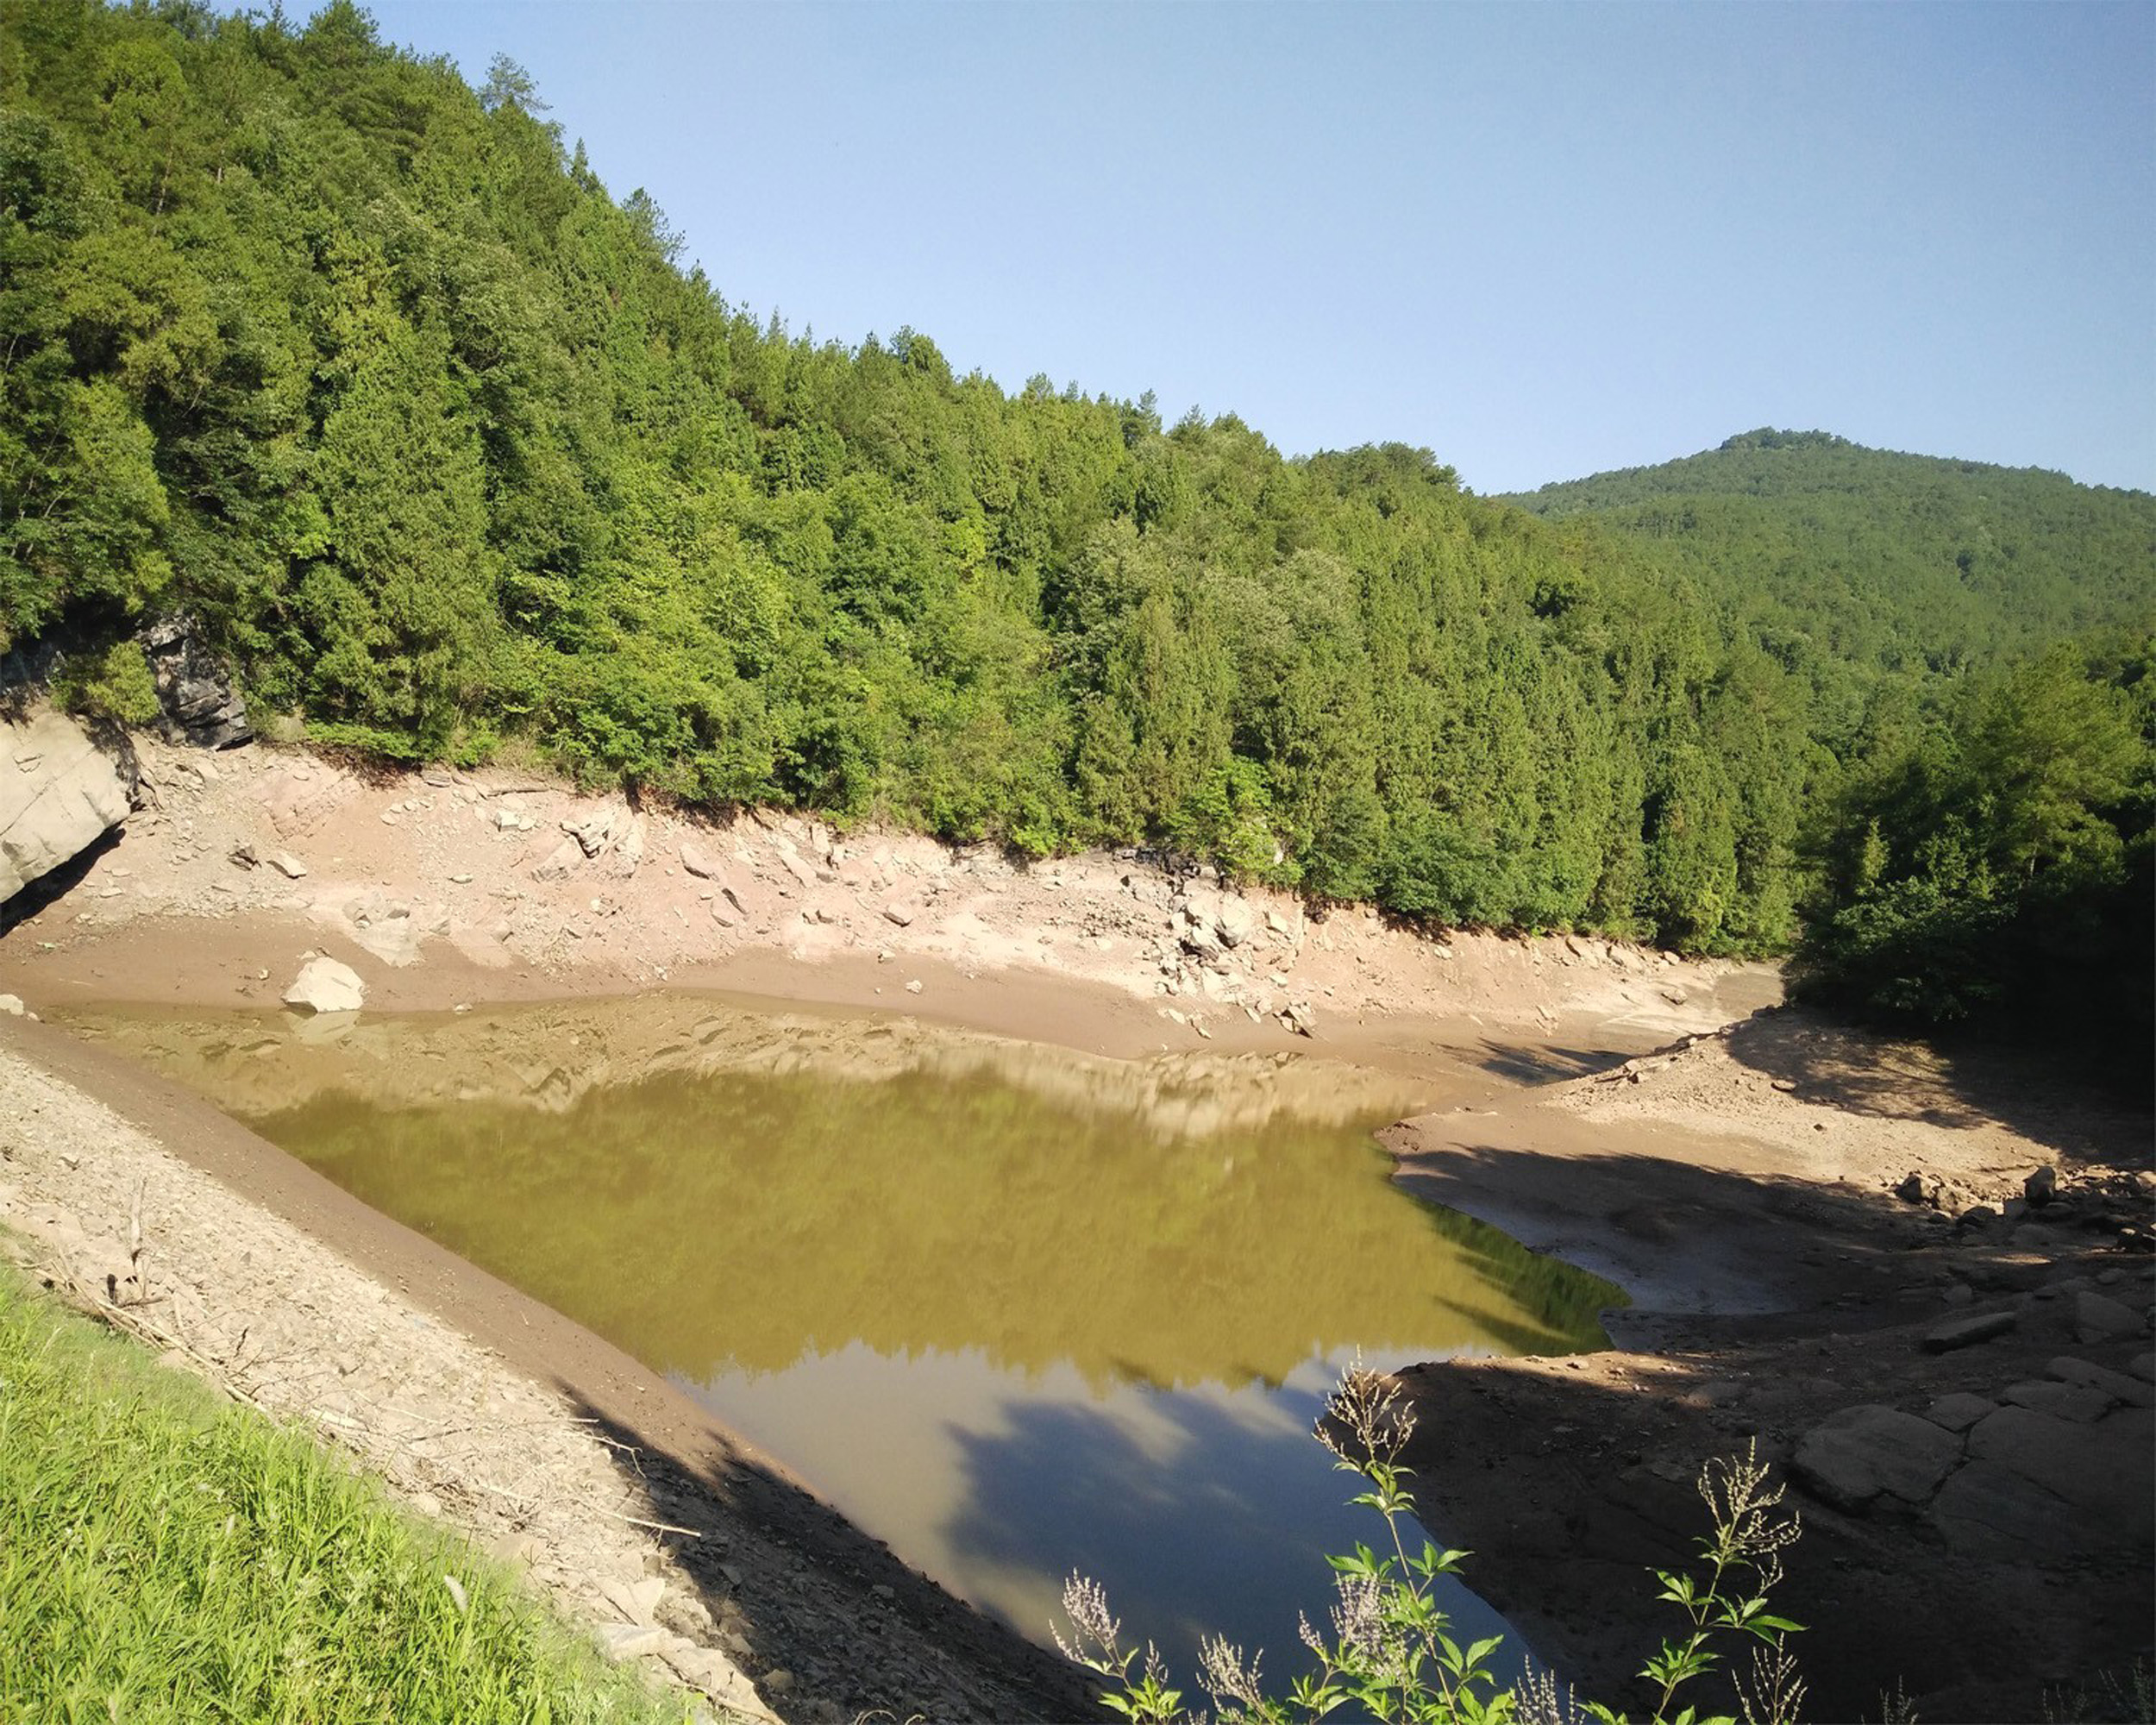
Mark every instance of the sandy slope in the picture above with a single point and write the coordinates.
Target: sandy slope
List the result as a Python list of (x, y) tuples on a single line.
[(455, 887)]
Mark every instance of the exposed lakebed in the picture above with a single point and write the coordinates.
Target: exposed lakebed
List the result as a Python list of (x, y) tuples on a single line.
[(1017, 1310)]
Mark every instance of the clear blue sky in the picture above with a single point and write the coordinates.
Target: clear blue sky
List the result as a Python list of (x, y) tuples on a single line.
[(1544, 240)]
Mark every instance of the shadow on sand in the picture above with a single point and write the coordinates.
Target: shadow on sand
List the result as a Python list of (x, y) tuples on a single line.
[(2078, 1107)]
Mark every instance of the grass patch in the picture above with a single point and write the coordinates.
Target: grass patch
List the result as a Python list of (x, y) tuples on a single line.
[(165, 1555)]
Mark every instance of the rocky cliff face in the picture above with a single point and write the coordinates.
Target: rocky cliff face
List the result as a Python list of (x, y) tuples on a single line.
[(193, 688), (60, 791)]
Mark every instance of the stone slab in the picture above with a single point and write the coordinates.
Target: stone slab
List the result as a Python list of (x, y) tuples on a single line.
[(1961, 1332), (1861, 1453), (2076, 1402)]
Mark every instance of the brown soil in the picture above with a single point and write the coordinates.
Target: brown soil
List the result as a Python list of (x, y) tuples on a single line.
[(1737, 1187)]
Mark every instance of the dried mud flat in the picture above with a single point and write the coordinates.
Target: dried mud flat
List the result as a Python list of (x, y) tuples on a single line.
[(1738, 1186)]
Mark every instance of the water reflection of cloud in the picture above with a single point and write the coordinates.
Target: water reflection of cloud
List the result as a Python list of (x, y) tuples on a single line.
[(1206, 1509)]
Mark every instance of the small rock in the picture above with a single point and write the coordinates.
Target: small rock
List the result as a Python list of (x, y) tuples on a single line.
[(560, 862), (1961, 1332), (288, 865), (914, 986), (631, 1641), (2118, 1385), (1911, 1190), (2076, 1402), (325, 985), (11, 1005), (1977, 1216), (595, 831), (900, 912), (637, 1601), (2041, 1187), (1861, 1452), (1236, 923), (698, 861)]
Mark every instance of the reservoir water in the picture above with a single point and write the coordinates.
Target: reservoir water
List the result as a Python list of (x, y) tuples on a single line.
[(1016, 1310)]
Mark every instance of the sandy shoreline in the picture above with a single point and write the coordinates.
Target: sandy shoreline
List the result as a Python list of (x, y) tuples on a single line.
[(1737, 1187)]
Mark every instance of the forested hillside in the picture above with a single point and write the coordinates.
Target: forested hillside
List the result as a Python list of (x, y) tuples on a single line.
[(369, 373), (1891, 560)]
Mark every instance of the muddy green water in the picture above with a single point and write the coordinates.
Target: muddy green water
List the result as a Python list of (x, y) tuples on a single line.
[(1015, 1310)]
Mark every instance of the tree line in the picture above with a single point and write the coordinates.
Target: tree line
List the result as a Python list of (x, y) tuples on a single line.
[(445, 451)]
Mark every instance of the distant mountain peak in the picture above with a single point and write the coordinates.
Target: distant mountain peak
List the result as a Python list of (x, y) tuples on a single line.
[(1767, 437)]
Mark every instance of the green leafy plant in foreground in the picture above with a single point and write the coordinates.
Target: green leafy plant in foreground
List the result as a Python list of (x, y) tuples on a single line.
[(1391, 1654)]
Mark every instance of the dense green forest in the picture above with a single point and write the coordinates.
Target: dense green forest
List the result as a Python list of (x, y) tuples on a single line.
[(368, 372), (1898, 562)]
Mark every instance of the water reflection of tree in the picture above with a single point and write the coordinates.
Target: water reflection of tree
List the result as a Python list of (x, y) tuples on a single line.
[(695, 1221), (702, 1217)]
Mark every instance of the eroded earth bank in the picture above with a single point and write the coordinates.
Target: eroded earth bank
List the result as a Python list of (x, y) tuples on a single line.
[(1962, 1398)]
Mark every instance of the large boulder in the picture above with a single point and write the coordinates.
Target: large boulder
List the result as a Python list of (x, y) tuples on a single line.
[(194, 691), (60, 792)]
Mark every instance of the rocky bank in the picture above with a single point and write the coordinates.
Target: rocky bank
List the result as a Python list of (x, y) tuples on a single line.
[(1921, 1284)]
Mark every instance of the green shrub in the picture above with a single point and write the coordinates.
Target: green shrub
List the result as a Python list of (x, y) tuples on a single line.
[(110, 682), (1391, 1654)]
